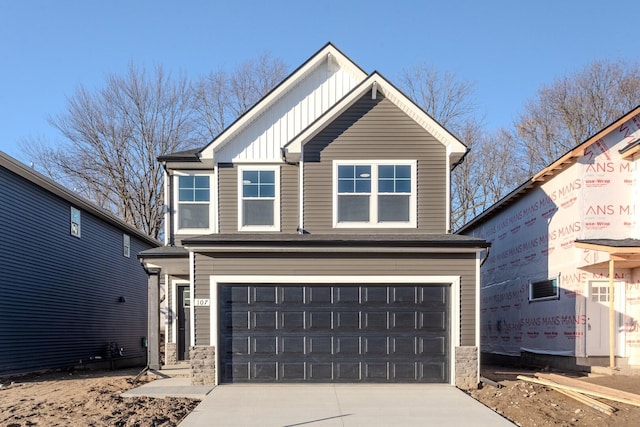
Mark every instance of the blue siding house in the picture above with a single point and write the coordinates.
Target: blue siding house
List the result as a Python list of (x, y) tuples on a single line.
[(72, 291)]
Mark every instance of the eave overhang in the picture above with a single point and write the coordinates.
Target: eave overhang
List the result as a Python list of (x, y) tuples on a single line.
[(334, 243), (624, 252)]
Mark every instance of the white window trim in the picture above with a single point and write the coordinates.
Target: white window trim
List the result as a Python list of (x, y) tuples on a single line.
[(373, 205), (78, 230), (276, 200), (547, 298), (176, 203)]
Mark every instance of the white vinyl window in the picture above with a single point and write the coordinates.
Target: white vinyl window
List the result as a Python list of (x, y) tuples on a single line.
[(374, 194), (193, 200), (259, 198), (543, 290)]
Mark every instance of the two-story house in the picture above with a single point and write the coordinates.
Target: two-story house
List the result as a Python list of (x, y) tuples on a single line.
[(73, 292), (561, 285), (309, 242)]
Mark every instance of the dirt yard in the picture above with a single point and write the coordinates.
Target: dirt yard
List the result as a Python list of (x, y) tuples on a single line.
[(93, 399), (529, 404), (84, 398)]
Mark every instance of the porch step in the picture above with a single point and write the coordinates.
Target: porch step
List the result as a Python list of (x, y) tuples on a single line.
[(181, 370)]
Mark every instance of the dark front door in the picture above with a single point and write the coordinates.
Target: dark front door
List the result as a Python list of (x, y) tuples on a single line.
[(335, 333), (184, 316)]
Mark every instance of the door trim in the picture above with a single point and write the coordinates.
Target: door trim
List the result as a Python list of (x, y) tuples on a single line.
[(454, 281)]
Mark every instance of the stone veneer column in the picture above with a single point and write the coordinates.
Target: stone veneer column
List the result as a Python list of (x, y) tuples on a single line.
[(466, 361), (170, 354), (203, 365)]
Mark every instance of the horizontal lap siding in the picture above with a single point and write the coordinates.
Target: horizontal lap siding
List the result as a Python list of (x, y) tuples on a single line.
[(60, 294), (318, 264), (228, 198), (374, 130)]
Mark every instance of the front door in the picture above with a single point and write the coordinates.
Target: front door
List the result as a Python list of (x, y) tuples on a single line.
[(597, 338), (184, 316)]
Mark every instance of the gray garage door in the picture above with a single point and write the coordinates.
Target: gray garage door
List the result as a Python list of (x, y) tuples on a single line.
[(334, 333)]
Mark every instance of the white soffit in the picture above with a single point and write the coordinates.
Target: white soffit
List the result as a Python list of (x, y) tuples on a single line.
[(306, 94), (376, 83)]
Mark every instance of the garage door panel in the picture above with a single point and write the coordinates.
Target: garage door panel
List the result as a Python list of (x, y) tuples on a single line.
[(319, 346), (263, 320), (403, 372), (292, 346), (375, 346), (334, 333), (347, 321), (292, 295), (375, 295), (376, 371), (264, 346), (347, 294), (375, 320), (319, 371), (319, 295), (292, 321), (319, 321), (348, 371), (263, 294), (293, 371), (348, 346), (403, 320), (433, 294), (403, 295), (435, 321), (264, 371), (403, 346), (432, 346)]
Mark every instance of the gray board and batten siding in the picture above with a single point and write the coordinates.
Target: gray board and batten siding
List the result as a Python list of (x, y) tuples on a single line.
[(64, 298), (336, 263), (375, 129)]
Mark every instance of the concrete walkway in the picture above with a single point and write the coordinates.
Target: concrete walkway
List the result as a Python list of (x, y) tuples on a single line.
[(341, 405)]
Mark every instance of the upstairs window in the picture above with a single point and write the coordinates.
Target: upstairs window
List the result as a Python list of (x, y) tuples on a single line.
[(75, 222), (375, 194), (194, 197), (259, 202)]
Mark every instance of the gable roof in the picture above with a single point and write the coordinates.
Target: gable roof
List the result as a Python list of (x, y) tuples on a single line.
[(559, 165), (374, 83), (58, 190), (327, 51)]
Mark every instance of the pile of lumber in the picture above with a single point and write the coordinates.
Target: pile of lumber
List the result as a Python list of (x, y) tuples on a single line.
[(584, 392)]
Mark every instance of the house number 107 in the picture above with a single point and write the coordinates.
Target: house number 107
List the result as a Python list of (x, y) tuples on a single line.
[(202, 302)]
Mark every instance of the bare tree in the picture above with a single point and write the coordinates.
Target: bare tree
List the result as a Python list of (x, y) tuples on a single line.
[(571, 109), (112, 138), (224, 96)]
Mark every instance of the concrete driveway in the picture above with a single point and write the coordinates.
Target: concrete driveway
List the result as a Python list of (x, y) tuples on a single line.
[(341, 405)]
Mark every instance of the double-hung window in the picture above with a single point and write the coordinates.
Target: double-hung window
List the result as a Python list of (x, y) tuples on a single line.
[(259, 201), (194, 202), (374, 194)]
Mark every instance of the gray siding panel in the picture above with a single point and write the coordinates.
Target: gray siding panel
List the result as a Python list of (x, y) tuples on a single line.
[(374, 130), (60, 294), (319, 264)]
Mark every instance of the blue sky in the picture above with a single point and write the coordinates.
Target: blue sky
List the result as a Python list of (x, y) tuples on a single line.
[(508, 48)]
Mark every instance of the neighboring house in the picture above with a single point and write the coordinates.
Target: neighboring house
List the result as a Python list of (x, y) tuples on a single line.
[(73, 292), (562, 245), (309, 241)]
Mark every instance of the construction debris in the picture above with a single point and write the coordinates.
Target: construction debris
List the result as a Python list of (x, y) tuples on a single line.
[(580, 391)]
